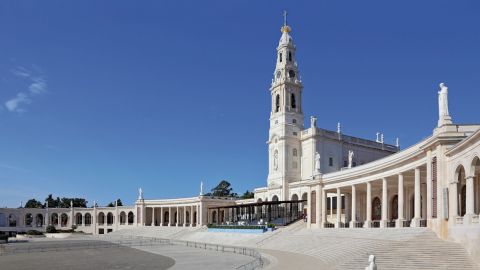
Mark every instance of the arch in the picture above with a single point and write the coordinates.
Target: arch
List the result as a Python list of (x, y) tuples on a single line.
[(78, 219), (259, 200), (166, 218), (54, 219), (131, 218), (461, 190), (214, 217), (12, 220), (3, 220), (394, 208), (293, 101), (274, 198), (123, 218), (28, 220), (88, 219), (294, 197), (194, 221), (376, 209), (175, 218), (63, 220), (110, 218), (277, 103), (39, 220), (101, 218), (187, 218)]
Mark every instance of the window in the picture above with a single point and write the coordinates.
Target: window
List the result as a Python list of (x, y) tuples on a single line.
[(277, 103), (294, 121), (293, 101), (295, 152), (289, 56), (280, 57), (291, 74), (330, 161)]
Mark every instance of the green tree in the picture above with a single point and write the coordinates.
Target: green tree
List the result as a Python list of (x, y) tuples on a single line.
[(223, 189), (32, 203), (112, 204), (248, 195), (64, 202)]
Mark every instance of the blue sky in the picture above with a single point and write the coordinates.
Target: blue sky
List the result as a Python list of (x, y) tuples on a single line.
[(99, 98)]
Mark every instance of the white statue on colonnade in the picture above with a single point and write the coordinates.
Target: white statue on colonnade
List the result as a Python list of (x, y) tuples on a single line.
[(350, 158)]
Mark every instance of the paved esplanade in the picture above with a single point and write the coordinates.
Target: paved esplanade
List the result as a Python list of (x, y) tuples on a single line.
[(80, 259)]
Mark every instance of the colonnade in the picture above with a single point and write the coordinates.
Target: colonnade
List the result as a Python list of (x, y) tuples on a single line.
[(169, 216)]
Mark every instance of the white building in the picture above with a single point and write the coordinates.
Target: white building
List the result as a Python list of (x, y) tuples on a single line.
[(346, 181)]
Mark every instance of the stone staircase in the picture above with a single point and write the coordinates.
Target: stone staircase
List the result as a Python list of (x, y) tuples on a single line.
[(408, 248)]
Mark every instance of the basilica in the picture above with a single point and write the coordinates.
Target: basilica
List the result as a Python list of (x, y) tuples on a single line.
[(330, 179)]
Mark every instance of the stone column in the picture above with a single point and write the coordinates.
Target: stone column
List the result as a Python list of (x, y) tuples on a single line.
[(400, 201), (197, 223), (169, 216), (324, 207), (153, 217), (178, 217), (161, 216), (383, 223), (191, 215), (184, 216), (429, 187), (469, 200), (368, 221), (339, 209), (354, 207), (417, 200)]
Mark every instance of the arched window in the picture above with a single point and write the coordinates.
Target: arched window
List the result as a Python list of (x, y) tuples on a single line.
[(277, 103), (123, 218), (63, 220), (54, 219), (280, 57), (166, 218), (12, 220), (88, 219), (109, 219), (295, 152), (294, 121), (130, 218), (293, 101), (28, 220), (291, 73), (101, 218), (39, 220), (78, 219), (395, 207), (289, 56)]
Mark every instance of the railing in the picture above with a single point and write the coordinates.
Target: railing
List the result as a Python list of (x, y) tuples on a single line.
[(475, 219), (390, 224), (376, 224), (459, 220), (358, 224), (406, 223), (328, 225), (423, 223)]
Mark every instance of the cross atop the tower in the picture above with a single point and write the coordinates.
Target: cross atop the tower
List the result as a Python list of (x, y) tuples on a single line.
[(285, 13)]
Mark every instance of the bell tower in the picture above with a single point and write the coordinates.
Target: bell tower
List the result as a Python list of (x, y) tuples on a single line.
[(286, 117)]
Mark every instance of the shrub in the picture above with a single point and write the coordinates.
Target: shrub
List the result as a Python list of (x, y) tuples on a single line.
[(270, 225), (51, 229), (34, 232)]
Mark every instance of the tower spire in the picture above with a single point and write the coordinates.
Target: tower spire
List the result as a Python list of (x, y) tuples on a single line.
[(285, 28), (285, 13)]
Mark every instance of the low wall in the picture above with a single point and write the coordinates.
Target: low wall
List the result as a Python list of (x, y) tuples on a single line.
[(250, 231), (469, 237)]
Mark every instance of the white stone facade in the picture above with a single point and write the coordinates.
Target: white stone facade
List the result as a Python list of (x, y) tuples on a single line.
[(346, 181)]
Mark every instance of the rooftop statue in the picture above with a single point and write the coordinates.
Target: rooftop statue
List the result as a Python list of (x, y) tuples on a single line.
[(443, 100)]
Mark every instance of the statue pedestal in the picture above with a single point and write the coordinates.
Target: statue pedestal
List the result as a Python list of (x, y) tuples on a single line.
[(445, 120)]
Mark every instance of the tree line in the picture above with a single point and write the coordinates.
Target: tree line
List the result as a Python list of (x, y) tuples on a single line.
[(63, 202)]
